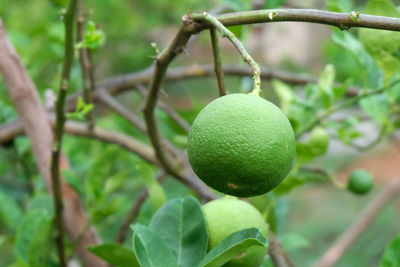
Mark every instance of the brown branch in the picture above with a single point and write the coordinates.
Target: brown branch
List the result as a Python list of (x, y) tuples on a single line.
[(69, 19), (134, 211), (10, 130), (111, 103), (85, 60), (367, 215), (164, 107), (209, 19), (34, 123), (122, 83), (277, 254), (340, 20), (169, 161), (217, 61)]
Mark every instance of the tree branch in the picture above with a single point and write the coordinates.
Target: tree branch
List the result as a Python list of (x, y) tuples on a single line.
[(69, 19), (164, 107), (205, 17), (278, 255), (134, 211), (342, 105), (343, 21), (217, 61), (111, 103), (367, 215), (9, 131), (85, 60), (34, 123), (169, 161)]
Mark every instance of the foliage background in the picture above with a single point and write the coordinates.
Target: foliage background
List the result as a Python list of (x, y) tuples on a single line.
[(107, 178)]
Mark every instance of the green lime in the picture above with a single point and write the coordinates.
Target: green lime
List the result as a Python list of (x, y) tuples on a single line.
[(228, 215), (241, 145), (360, 182), (319, 140)]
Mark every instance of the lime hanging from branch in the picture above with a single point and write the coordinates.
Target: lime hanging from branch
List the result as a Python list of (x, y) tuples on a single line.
[(241, 145)]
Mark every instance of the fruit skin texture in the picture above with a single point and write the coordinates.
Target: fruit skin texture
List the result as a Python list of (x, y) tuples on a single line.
[(360, 182), (228, 215), (241, 145)]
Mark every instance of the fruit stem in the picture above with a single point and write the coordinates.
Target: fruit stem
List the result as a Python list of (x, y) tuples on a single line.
[(238, 45)]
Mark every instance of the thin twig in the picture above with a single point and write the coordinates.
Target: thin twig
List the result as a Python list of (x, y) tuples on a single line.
[(34, 122), (367, 215), (122, 83), (238, 45), (113, 104), (86, 65), (169, 111), (10, 130), (134, 211), (341, 106), (217, 61), (59, 129), (169, 161), (278, 255)]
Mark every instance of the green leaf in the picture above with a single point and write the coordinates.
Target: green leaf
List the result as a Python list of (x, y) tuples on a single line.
[(292, 241), (382, 45), (237, 30), (181, 224), (325, 86), (371, 73), (285, 95), (376, 106), (391, 256), (288, 184), (237, 5), (42, 202), (339, 5), (41, 245), (93, 38), (156, 193), (115, 254), (270, 4), (10, 212), (99, 171), (81, 110), (150, 249), (115, 181), (231, 246), (346, 130), (30, 237)]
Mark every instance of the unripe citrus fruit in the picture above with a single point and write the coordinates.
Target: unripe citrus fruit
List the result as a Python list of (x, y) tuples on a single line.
[(228, 215), (241, 145), (360, 182), (319, 140)]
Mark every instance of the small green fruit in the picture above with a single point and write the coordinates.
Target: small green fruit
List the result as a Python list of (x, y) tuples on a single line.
[(228, 215), (360, 182), (319, 140)]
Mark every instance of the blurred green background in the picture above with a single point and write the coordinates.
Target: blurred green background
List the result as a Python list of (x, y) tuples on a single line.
[(310, 218)]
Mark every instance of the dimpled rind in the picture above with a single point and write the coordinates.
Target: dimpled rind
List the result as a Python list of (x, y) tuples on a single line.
[(241, 145), (228, 215)]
